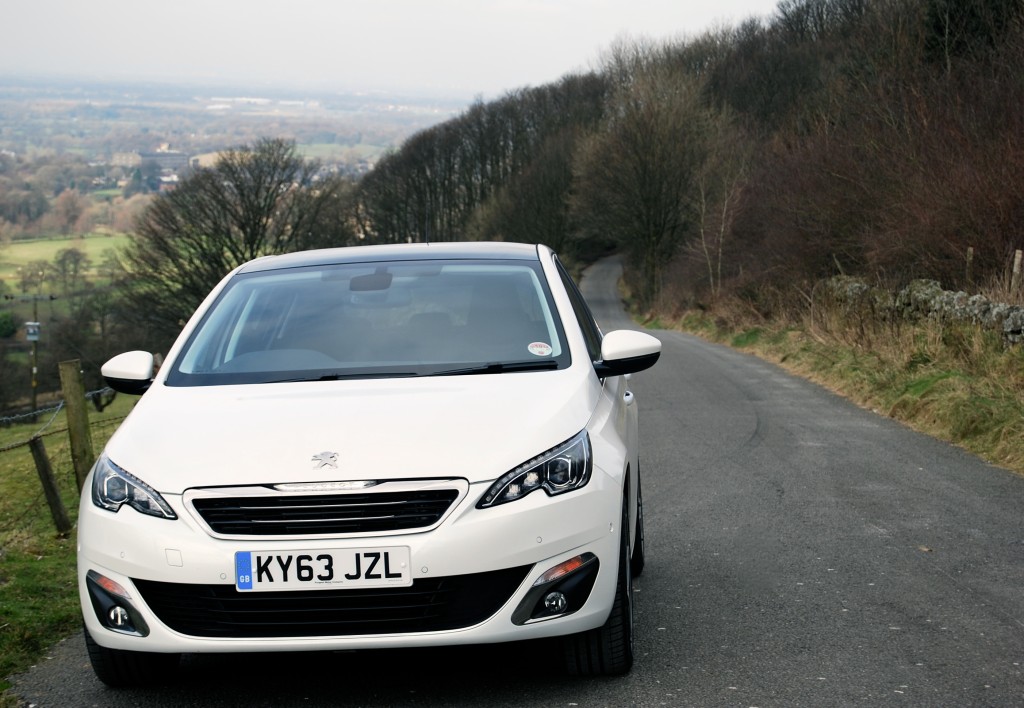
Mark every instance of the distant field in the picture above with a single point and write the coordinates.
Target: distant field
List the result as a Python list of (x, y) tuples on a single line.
[(19, 253), (335, 152)]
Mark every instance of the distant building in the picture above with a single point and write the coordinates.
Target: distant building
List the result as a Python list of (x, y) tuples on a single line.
[(168, 182), (166, 159), (126, 159), (169, 160)]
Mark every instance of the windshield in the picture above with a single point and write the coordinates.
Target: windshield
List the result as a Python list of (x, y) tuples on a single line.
[(408, 318)]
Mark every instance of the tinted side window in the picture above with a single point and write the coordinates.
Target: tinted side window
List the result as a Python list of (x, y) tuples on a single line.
[(591, 332)]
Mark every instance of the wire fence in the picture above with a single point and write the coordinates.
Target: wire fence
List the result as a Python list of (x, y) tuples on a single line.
[(7, 421), (23, 508)]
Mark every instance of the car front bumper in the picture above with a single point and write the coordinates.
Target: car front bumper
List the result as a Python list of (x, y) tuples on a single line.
[(177, 578)]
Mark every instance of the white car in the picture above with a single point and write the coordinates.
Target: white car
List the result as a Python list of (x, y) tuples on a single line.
[(371, 447)]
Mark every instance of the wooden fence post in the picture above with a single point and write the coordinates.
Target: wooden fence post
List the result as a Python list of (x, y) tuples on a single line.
[(57, 510), (1015, 277), (970, 265), (82, 455)]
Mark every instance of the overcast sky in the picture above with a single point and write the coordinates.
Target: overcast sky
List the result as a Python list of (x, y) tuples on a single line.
[(473, 47)]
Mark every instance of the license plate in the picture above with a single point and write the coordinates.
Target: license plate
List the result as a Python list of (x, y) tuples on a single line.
[(262, 571)]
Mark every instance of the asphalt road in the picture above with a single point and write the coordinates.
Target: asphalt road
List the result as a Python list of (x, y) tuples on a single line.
[(801, 552)]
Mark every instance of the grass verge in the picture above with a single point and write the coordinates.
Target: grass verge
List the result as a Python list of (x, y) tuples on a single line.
[(38, 586)]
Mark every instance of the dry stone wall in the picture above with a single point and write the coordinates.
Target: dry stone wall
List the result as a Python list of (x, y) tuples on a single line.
[(925, 299)]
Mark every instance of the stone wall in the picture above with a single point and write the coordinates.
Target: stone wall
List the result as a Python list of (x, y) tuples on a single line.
[(925, 299)]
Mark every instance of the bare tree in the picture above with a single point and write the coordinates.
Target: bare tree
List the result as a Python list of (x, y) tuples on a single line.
[(720, 183), (68, 269), (254, 201), (533, 207), (450, 181), (68, 208), (636, 177), (32, 275)]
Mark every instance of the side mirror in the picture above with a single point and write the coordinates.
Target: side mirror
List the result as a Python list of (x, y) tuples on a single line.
[(625, 351), (130, 372)]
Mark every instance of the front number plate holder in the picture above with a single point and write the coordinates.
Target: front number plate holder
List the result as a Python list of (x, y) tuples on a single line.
[(269, 571)]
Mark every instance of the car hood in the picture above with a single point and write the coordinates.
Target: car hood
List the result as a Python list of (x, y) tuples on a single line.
[(477, 427)]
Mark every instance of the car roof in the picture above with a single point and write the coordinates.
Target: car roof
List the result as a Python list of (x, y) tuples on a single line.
[(469, 250)]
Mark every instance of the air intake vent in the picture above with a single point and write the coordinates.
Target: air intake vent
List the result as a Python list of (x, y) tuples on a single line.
[(430, 605)]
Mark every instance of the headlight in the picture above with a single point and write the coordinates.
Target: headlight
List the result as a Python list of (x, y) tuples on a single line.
[(112, 488), (559, 470)]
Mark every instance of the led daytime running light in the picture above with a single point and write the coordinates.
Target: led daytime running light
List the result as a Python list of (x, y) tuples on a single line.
[(559, 470), (113, 487)]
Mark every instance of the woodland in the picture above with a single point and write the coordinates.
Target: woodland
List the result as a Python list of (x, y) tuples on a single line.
[(877, 138)]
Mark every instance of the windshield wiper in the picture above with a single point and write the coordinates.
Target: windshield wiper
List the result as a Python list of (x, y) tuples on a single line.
[(498, 367), (345, 377)]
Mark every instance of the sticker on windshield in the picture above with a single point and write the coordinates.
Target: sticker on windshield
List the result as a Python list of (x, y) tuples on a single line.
[(540, 349)]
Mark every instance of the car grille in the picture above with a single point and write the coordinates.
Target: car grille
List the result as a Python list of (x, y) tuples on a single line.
[(324, 514), (429, 605)]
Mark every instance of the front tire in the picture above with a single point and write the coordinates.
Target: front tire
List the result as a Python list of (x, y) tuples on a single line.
[(608, 650), (120, 669)]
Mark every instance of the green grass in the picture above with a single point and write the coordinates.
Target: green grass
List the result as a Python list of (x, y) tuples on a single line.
[(337, 151), (38, 586), (921, 386), (38, 601), (747, 338), (19, 253)]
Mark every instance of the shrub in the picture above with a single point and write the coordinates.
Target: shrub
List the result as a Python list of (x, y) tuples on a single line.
[(8, 325)]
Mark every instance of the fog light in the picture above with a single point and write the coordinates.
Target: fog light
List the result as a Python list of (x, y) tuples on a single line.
[(113, 606), (555, 602), (119, 616), (560, 591)]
